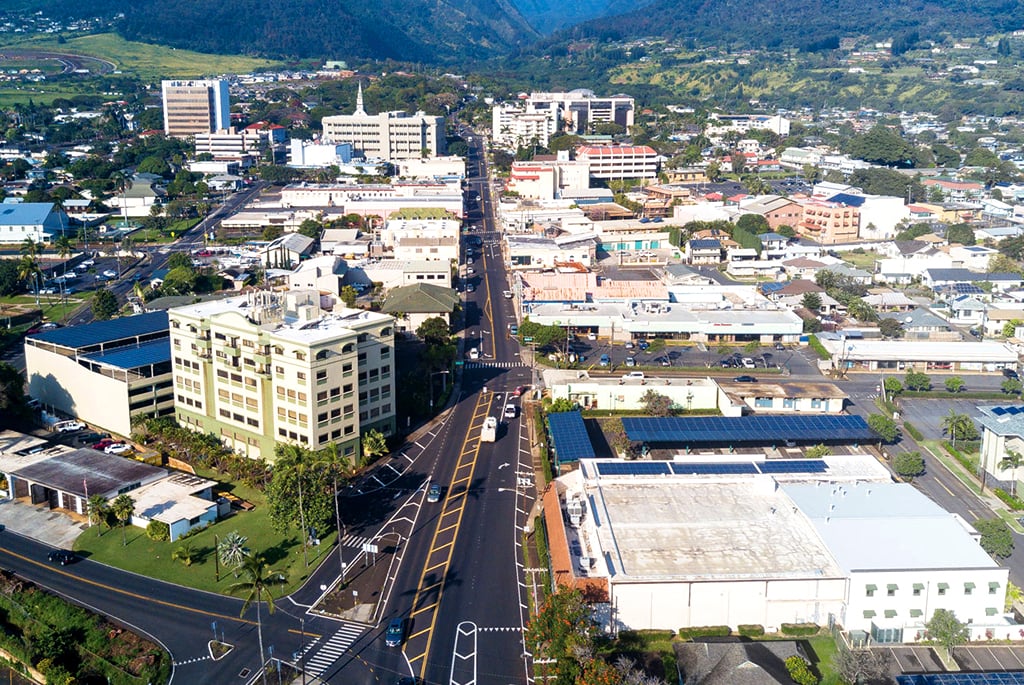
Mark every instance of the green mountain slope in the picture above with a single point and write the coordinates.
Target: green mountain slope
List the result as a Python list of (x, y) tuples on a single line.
[(548, 15), (808, 23), (434, 31)]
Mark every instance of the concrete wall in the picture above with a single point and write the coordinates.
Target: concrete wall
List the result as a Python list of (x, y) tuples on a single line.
[(60, 382)]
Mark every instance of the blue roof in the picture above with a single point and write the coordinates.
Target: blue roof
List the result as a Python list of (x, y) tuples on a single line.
[(705, 244), (99, 332), (569, 436), (848, 199), (25, 213), (773, 286), (772, 237), (761, 430), (134, 356)]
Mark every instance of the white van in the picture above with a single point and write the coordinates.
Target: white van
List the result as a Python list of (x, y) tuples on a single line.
[(474, 353), (633, 376)]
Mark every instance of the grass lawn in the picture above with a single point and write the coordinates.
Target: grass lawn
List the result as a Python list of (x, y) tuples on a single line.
[(153, 559), (143, 60), (861, 260), (824, 650)]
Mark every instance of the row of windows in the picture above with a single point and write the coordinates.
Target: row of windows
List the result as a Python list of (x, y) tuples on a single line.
[(238, 418), (190, 402), (789, 402), (917, 588)]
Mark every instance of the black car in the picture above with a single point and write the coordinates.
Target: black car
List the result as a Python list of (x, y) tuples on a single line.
[(745, 379), (61, 556), (1010, 373)]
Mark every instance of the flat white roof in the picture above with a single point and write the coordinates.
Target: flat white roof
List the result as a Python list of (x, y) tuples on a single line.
[(172, 499), (886, 526), (918, 350)]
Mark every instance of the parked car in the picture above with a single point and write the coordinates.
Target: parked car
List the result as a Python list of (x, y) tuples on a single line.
[(61, 556), (745, 379), (779, 346), (109, 274), (630, 361), (102, 444), (68, 426), (591, 335), (513, 329), (117, 448), (643, 345), (633, 376), (510, 411), (629, 344), (748, 363), (605, 360), (664, 361), (395, 632)]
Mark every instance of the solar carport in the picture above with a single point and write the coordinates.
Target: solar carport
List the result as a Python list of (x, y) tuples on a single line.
[(569, 439), (725, 431)]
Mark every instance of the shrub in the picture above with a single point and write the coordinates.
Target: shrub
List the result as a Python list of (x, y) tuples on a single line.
[(704, 631), (800, 671), (799, 629), (818, 348), (751, 630), (159, 531), (1009, 500), (908, 464)]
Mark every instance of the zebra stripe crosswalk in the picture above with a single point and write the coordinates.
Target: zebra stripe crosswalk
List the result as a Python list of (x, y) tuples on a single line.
[(356, 541), (494, 365), (331, 650)]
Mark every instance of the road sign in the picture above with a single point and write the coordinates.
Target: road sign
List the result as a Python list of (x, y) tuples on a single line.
[(528, 339), (459, 362), (369, 548)]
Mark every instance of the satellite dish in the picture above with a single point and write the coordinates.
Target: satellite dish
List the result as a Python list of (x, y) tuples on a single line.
[(908, 319)]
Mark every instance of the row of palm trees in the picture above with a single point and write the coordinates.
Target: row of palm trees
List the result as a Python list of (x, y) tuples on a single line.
[(121, 508)]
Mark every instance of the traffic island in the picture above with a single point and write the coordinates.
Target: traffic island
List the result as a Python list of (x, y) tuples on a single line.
[(363, 587)]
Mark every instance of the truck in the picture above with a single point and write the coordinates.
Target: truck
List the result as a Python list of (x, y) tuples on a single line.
[(489, 432)]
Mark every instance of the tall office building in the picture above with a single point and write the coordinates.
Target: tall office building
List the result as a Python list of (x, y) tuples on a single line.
[(192, 107), (271, 367), (389, 135)]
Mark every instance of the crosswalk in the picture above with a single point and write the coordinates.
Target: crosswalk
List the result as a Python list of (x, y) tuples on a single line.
[(331, 650), (356, 541), (493, 365)]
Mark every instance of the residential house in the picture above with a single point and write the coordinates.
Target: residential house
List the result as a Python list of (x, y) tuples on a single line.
[(703, 251), (890, 301), (802, 267), (287, 250), (967, 310), (411, 305), (773, 245), (778, 211), (922, 324)]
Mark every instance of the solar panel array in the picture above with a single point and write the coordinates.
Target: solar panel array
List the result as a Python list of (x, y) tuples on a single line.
[(106, 331), (730, 468), (134, 356), (569, 436), (994, 678), (761, 430), (1004, 411)]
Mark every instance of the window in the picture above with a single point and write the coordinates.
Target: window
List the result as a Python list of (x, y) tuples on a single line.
[(789, 403), (817, 403), (763, 402), (918, 587), (890, 590), (943, 587), (349, 429), (869, 590), (968, 588), (993, 588)]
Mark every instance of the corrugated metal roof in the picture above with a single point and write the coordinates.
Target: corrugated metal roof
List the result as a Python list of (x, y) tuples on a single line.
[(134, 356), (105, 331), (25, 213)]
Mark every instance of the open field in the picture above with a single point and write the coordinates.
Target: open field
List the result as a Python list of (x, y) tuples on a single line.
[(149, 62)]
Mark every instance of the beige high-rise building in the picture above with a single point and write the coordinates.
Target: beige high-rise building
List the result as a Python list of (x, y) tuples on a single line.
[(389, 135), (271, 367), (192, 107)]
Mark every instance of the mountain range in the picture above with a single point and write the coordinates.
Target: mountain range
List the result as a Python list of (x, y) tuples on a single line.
[(450, 31)]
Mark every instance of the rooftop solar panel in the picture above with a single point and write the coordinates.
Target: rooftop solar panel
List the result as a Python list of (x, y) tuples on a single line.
[(762, 430), (134, 356), (792, 466), (994, 678), (681, 468), (99, 332), (569, 436), (633, 468)]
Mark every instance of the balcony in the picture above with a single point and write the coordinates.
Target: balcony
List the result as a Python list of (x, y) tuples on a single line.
[(232, 351), (202, 343), (261, 358)]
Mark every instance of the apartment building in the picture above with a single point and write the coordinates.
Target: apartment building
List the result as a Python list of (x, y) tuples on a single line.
[(270, 367), (192, 107), (829, 223), (390, 136), (578, 109), (619, 161)]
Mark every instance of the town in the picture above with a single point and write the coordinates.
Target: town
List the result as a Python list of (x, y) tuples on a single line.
[(383, 393)]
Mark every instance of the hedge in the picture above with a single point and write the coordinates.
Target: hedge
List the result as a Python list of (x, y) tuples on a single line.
[(800, 629), (1015, 503), (914, 433), (704, 631), (959, 456), (818, 348), (751, 630)]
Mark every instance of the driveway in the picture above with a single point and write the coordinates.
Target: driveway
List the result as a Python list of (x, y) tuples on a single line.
[(39, 522)]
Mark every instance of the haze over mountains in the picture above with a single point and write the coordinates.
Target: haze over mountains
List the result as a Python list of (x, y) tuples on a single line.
[(446, 31)]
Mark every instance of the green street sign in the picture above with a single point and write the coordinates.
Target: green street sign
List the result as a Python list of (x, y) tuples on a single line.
[(527, 339), (459, 362)]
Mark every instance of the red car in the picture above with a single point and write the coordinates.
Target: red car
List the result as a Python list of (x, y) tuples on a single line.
[(103, 444), (520, 389)]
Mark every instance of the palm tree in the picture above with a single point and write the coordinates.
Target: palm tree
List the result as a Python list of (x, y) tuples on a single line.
[(339, 468), (123, 507), (955, 424), (293, 458), (99, 507), (64, 249), (29, 272), (257, 588), (122, 184), (1012, 460), (231, 551), (30, 248), (186, 554)]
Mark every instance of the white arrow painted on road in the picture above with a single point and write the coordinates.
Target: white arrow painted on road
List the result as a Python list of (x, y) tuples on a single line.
[(505, 465)]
